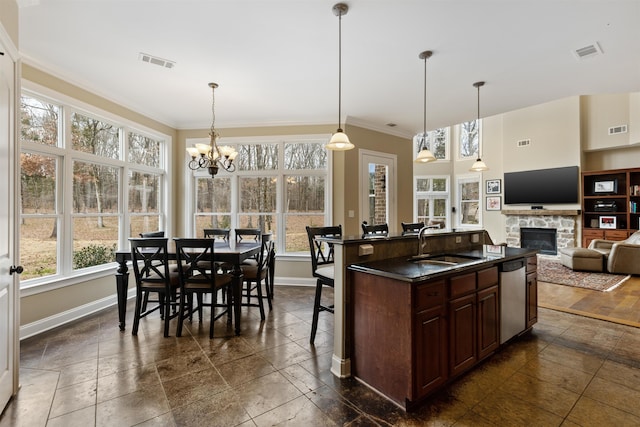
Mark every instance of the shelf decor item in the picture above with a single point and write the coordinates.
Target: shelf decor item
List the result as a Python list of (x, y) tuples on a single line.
[(607, 222), (608, 186)]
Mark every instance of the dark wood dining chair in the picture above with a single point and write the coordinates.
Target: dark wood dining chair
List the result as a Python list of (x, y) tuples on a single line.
[(152, 234), (412, 227), (322, 268), (217, 233), (152, 273), (198, 274), (375, 229), (253, 277), (244, 234)]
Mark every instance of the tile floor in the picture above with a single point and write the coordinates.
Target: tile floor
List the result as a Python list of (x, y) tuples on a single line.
[(569, 371)]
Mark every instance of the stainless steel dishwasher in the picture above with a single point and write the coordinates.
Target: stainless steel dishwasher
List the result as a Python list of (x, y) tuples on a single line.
[(512, 299)]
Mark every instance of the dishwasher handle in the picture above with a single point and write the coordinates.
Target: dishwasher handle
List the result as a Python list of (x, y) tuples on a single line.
[(514, 265)]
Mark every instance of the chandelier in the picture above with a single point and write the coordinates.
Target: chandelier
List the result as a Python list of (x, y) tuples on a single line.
[(211, 156)]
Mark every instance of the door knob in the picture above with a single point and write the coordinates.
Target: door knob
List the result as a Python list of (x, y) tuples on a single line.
[(16, 269)]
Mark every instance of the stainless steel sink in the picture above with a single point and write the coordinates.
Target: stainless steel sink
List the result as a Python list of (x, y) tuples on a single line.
[(443, 259)]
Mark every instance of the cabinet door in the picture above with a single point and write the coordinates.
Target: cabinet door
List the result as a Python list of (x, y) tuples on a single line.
[(462, 334), (431, 351), (488, 321), (532, 299)]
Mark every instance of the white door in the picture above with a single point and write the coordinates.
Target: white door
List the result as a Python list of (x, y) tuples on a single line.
[(9, 282), (378, 188)]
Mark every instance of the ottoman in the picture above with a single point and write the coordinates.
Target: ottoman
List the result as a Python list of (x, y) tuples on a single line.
[(582, 259)]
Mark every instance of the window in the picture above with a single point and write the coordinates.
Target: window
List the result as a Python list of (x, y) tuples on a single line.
[(278, 186), (432, 200), (469, 201), (469, 139), (437, 141), (108, 199)]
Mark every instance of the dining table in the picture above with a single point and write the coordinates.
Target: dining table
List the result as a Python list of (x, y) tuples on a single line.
[(229, 252)]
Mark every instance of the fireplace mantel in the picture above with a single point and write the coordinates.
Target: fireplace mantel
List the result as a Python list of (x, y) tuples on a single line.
[(540, 212)]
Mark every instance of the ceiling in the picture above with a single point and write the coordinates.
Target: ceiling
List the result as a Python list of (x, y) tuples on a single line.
[(276, 61)]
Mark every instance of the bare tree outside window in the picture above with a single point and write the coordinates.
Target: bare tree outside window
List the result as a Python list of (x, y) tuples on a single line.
[(144, 150), (39, 121), (469, 139)]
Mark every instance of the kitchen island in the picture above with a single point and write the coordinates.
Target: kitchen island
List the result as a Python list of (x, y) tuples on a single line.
[(418, 322)]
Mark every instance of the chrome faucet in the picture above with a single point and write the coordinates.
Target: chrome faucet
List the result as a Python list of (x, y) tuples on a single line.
[(422, 241)]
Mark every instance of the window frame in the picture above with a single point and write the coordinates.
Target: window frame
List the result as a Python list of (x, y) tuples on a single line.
[(280, 174), (464, 179), (66, 155), (474, 155), (431, 196), (430, 141)]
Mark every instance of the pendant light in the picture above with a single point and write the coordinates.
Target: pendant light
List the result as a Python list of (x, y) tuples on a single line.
[(425, 155), (478, 165), (339, 141)]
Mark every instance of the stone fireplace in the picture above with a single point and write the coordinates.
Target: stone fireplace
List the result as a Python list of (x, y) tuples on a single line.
[(561, 223), (543, 239)]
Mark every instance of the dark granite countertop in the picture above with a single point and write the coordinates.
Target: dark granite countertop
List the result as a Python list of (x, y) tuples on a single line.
[(408, 270)]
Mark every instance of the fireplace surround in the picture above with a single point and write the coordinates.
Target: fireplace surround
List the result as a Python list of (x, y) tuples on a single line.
[(563, 221)]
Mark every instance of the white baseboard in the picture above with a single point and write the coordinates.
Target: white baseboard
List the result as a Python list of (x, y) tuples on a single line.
[(59, 319)]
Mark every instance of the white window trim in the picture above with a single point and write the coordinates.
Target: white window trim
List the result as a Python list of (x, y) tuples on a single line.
[(189, 177), (433, 195), (461, 179), (447, 144), (475, 155), (66, 276)]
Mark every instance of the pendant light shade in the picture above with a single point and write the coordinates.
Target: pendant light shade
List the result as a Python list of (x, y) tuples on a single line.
[(339, 141), (478, 165), (424, 155)]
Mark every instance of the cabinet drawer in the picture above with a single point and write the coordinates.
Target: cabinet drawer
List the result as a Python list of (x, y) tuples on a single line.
[(463, 284), (592, 234), (487, 277), (532, 264), (615, 234), (429, 295)]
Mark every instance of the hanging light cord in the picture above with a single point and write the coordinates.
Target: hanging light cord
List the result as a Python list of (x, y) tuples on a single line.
[(424, 123), (339, 70)]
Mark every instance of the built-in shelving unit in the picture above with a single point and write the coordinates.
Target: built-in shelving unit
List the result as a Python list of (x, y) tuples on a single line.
[(610, 204)]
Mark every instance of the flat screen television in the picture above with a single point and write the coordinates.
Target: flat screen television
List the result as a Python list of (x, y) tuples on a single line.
[(542, 186)]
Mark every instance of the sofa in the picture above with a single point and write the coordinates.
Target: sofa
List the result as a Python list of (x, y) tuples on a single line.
[(622, 256)]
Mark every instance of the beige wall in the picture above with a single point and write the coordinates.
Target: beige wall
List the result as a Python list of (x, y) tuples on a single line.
[(9, 19), (348, 176)]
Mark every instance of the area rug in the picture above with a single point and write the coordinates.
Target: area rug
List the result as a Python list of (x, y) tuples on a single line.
[(552, 271)]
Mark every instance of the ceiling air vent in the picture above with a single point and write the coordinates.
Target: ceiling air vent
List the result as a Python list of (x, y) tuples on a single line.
[(523, 143), (588, 51), (614, 130), (145, 57)]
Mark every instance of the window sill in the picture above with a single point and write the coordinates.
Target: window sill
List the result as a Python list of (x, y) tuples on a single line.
[(50, 283)]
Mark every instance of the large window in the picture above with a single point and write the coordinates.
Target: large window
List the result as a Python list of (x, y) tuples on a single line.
[(85, 187), (279, 186), (469, 139), (469, 214), (436, 141), (432, 200)]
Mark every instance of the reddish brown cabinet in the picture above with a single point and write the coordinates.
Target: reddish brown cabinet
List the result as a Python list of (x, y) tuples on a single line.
[(409, 339)]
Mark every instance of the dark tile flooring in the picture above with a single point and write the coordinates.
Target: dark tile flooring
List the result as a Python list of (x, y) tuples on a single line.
[(569, 371)]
